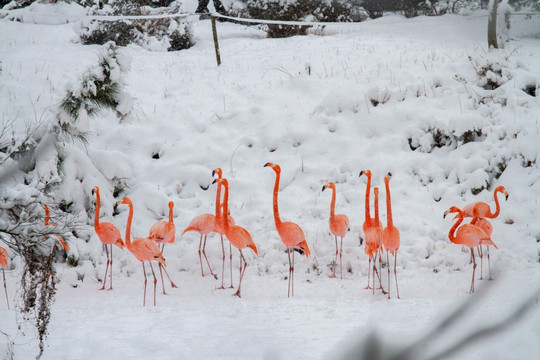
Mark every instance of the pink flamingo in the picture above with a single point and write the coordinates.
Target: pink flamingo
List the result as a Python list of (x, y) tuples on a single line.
[(109, 236), (204, 224), (468, 235), (47, 221), (144, 249), (482, 210), (290, 233), (237, 236), (4, 264), (163, 232), (372, 228), (390, 235), (221, 230), (339, 225)]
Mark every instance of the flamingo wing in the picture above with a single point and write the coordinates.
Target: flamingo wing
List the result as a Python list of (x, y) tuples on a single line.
[(390, 238), (203, 224), (162, 232), (108, 233), (3, 257), (470, 235), (340, 225), (146, 250), (240, 238)]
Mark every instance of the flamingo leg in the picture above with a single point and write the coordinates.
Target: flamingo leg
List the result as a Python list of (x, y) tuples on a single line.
[(335, 261), (368, 274), (5, 287), (395, 276), (290, 270), (379, 274), (155, 281), (200, 257), (222, 264), (474, 269), (292, 275), (489, 263), (110, 266), (481, 255), (106, 268), (145, 281), (206, 258), (173, 285), (340, 258), (230, 263), (242, 271), (388, 266)]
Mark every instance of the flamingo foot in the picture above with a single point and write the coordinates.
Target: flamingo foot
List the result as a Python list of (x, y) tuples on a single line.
[(220, 288), (237, 293), (368, 288), (333, 276)]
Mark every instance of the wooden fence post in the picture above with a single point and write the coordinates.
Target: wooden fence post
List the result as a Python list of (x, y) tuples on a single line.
[(216, 44)]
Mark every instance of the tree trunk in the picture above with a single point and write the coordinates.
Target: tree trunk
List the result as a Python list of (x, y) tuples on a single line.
[(492, 24)]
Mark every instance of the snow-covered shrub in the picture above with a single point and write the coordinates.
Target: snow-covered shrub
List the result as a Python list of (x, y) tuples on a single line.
[(100, 87), (168, 34), (299, 10)]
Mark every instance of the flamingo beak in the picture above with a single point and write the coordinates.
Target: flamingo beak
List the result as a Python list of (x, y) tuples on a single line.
[(324, 187), (215, 181), (361, 173), (267, 164), (506, 197), (213, 173), (93, 191)]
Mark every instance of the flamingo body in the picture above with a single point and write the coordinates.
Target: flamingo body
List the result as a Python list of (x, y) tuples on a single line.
[(482, 209), (108, 234), (290, 233), (239, 237), (144, 249), (4, 264)]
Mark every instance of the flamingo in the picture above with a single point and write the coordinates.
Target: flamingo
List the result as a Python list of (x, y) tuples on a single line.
[(390, 234), (339, 225), (485, 225), (220, 230), (109, 236), (144, 249), (290, 233), (372, 228), (4, 264), (482, 210), (204, 224), (47, 221), (162, 233), (468, 235), (237, 235)]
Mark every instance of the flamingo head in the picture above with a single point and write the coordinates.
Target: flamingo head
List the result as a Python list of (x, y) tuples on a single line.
[(365, 172), (275, 167), (218, 172), (388, 176), (125, 200), (171, 205), (120, 244), (95, 190), (330, 185), (453, 209), (501, 189)]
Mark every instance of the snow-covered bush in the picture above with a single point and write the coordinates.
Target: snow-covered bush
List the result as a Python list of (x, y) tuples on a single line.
[(100, 87), (299, 10), (165, 34)]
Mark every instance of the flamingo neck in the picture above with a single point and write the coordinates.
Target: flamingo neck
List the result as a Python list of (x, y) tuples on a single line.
[(389, 221), (451, 233), (497, 206), (222, 216), (218, 201), (275, 201), (376, 209), (47, 215), (98, 205), (333, 204), (128, 225), (368, 187), (171, 220)]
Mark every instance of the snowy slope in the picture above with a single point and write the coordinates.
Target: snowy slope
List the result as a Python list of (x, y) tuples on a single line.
[(307, 104)]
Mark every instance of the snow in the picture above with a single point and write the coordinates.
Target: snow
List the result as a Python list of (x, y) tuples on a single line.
[(306, 103)]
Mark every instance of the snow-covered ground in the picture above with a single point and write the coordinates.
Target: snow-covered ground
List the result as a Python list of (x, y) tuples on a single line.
[(308, 104)]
